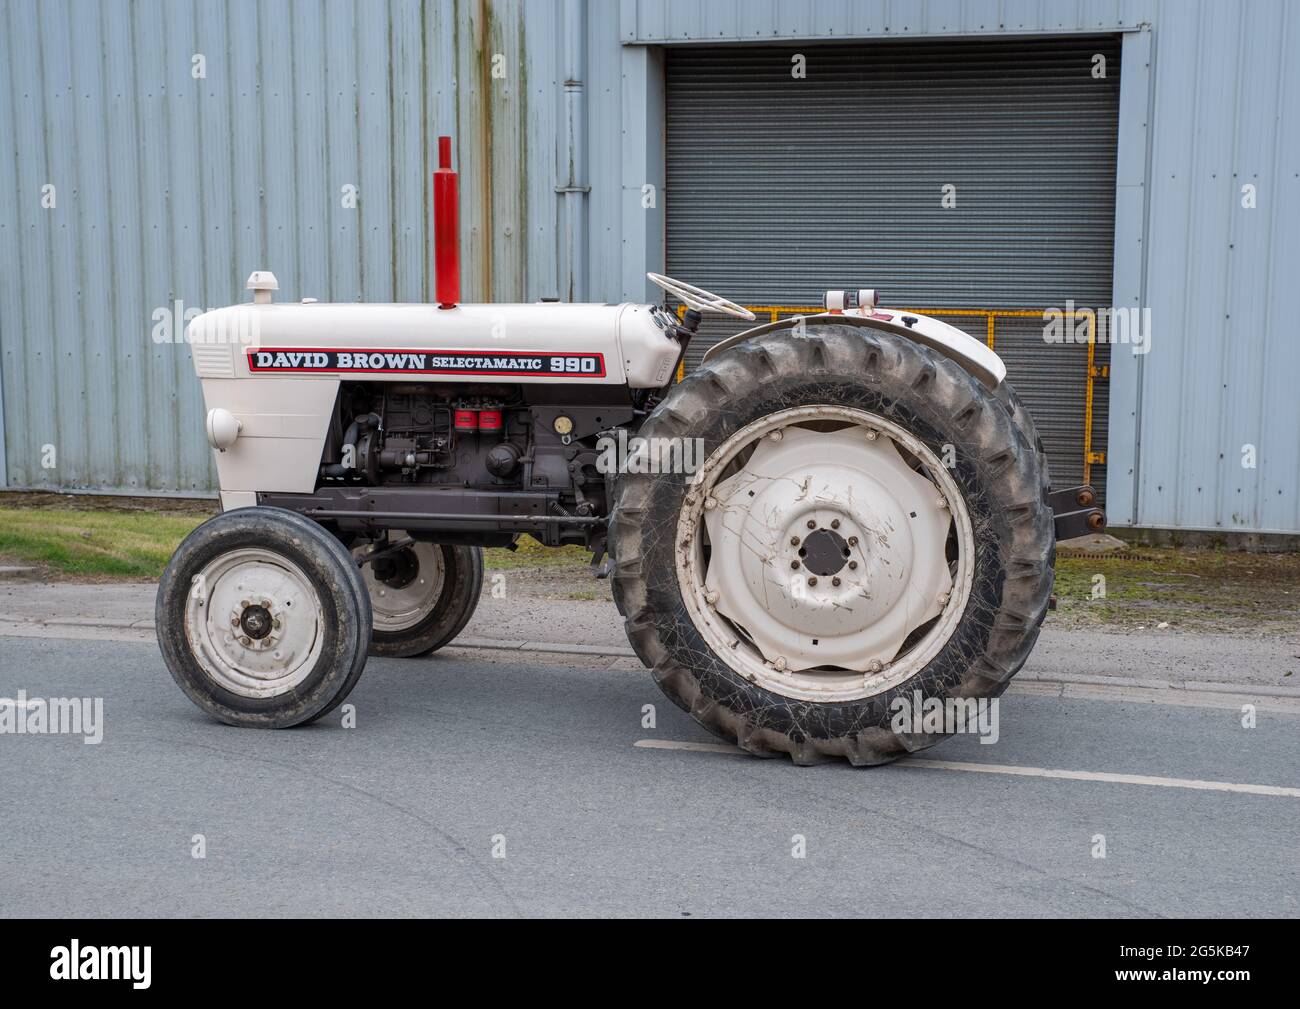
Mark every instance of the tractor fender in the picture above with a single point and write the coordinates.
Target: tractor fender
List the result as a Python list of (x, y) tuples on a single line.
[(939, 336)]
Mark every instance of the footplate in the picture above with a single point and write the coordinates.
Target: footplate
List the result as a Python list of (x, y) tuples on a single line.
[(1075, 511)]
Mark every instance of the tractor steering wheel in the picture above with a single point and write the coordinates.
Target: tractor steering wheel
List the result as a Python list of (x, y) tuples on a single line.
[(700, 299)]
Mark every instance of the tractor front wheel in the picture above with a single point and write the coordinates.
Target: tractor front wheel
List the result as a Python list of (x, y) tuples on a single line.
[(422, 594), (263, 619)]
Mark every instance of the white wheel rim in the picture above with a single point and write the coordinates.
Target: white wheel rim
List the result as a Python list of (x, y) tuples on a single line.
[(825, 625), (254, 622), (401, 605)]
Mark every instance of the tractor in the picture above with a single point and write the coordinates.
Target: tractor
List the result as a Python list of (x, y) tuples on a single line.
[(829, 512)]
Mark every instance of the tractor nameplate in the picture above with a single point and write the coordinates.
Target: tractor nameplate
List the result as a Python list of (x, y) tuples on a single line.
[(368, 361)]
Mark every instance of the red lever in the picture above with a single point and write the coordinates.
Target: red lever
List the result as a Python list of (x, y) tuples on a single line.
[(446, 228)]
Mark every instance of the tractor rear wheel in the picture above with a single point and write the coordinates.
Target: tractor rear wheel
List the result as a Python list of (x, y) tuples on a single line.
[(868, 523), (422, 594), (263, 619)]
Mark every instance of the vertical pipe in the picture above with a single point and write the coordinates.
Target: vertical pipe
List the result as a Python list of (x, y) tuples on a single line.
[(573, 192), (446, 228)]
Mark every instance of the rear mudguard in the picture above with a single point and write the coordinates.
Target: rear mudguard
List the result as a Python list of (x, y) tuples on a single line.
[(951, 342)]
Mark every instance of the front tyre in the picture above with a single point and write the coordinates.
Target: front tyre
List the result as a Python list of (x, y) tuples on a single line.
[(868, 523), (263, 619), (421, 594)]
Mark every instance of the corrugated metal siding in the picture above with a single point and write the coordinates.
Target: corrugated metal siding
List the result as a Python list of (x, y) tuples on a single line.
[(171, 188), (675, 21), (1224, 359), (780, 187)]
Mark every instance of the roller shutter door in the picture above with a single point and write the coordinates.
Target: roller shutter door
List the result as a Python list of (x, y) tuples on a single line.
[(779, 188)]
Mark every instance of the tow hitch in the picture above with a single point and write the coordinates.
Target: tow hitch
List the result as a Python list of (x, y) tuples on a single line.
[(1075, 512)]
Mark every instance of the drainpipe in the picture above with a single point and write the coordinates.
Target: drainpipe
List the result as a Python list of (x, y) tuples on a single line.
[(573, 192)]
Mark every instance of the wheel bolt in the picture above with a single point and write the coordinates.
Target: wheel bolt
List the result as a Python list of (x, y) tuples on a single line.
[(812, 524), (812, 580), (853, 565), (853, 541), (835, 581), (794, 565), (794, 541), (835, 523)]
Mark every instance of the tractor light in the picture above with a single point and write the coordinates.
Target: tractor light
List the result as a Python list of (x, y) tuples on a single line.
[(223, 428)]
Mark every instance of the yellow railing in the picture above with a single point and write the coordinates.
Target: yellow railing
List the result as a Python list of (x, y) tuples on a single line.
[(991, 315)]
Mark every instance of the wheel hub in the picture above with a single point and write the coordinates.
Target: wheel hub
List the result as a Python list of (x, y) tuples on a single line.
[(397, 570), (405, 585), (825, 551), (821, 564), (256, 621)]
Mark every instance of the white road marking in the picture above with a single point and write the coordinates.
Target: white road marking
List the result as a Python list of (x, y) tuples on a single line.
[(680, 744), (1019, 771)]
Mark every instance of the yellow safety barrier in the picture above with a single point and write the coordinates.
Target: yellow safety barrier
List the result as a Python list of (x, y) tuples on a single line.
[(774, 313)]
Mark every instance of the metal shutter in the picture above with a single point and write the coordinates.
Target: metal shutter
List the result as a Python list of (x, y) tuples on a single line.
[(779, 188)]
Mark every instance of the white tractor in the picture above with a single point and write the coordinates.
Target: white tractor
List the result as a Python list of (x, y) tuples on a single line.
[(830, 512)]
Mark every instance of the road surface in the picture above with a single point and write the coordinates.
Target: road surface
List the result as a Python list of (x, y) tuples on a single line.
[(500, 783)]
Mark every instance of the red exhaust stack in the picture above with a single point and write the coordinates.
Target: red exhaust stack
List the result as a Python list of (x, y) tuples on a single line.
[(446, 228)]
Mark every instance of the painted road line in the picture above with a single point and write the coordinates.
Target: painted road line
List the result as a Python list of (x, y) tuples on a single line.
[(681, 744), (1019, 771)]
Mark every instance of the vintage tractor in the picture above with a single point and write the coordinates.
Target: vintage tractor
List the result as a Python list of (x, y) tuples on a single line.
[(831, 511)]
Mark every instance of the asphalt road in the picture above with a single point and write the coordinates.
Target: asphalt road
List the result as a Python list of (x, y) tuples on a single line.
[(462, 753)]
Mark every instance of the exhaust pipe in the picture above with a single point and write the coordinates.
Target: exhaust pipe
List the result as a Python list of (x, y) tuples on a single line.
[(446, 228)]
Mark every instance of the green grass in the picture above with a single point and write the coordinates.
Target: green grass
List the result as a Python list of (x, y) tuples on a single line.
[(129, 545), (1195, 588), (531, 554), (85, 543)]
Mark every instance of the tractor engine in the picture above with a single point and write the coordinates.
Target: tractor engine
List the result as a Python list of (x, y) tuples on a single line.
[(524, 454)]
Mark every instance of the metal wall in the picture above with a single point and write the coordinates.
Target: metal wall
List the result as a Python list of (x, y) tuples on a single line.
[(170, 187)]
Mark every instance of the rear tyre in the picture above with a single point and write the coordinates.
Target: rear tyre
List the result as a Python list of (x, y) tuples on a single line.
[(263, 619), (868, 524), (422, 595)]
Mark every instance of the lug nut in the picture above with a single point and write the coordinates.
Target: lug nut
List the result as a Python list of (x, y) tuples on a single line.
[(812, 524), (853, 541), (812, 580), (794, 565), (835, 581), (794, 541), (835, 523), (853, 565)]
